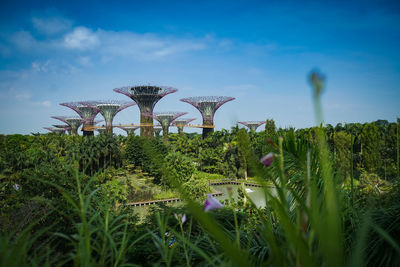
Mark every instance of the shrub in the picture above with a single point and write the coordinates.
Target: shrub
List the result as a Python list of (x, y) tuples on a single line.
[(177, 169)]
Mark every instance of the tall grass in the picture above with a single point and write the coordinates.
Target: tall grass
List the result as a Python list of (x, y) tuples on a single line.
[(303, 223), (99, 236)]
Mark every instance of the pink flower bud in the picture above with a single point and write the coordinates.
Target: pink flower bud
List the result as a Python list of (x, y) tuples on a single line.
[(268, 159), (212, 203)]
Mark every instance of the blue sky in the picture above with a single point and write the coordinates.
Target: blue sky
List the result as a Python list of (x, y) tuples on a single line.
[(259, 52)]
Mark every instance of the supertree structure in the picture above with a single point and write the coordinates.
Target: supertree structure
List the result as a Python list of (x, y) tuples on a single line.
[(165, 119), (66, 127), (73, 122), (96, 122), (86, 112), (182, 122), (252, 125), (207, 105), (146, 96), (56, 130), (101, 130), (61, 126), (157, 130), (108, 108), (129, 129)]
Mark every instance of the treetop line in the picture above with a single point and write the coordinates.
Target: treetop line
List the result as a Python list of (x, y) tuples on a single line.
[(145, 97)]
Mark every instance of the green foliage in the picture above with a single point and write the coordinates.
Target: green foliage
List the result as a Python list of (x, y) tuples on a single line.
[(165, 195), (270, 129), (244, 150), (371, 142), (343, 146), (180, 171), (196, 187), (148, 154), (371, 184), (178, 168), (12, 150), (209, 176), (113, 193)]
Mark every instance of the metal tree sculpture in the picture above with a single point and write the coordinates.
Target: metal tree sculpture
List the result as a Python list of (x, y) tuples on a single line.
[(207, 105), (180, 123), (56, 130), (88, 113), (66, 127), (146, 97), (157, 130), (101, 130), (61, 126), (129, 129), (96, 122), (73, 122), (252, 125), (165, 119), (108, 108)]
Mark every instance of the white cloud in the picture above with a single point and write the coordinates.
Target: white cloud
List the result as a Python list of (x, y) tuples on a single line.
[(51, 25), (145, 46), (81, 38), (40, 66), (46, 103), (101, 45), (23, 40), (22, 95), (18, 94), (84, 61)]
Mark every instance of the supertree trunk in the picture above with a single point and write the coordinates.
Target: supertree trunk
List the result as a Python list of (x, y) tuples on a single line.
[(207, 131), (109, 128), (180, 131), (165, 133), (165, 119), (74, 131), (146, 131)]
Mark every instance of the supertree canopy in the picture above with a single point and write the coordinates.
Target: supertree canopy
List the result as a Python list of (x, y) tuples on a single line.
[(207, 105), (88, 113), (146, 97), (66, 127), (252, 125), (61, 126), (129, 129), (73, 122), (108, 108), (56, 130), (165, 119), (182, 122)]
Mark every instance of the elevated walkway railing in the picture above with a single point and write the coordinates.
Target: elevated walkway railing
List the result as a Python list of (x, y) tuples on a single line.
[(165, 201), (233, 182), (92, 128)]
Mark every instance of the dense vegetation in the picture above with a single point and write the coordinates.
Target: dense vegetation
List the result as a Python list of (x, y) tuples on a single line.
[(335, 199)]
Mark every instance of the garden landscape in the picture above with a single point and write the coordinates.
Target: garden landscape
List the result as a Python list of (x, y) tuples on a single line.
[(220, 181)]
